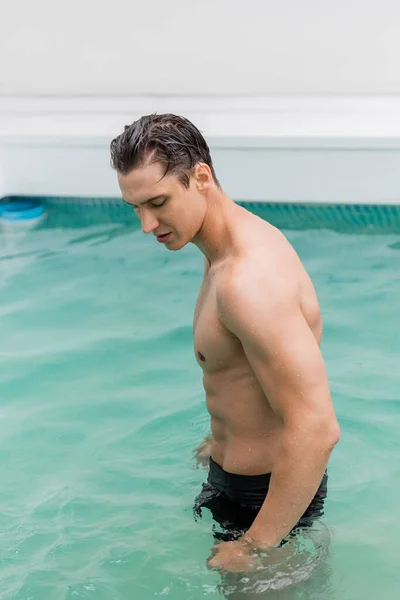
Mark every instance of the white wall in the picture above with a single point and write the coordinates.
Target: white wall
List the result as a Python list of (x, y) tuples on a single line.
[(127, 47), (298, 149), (299, 99)]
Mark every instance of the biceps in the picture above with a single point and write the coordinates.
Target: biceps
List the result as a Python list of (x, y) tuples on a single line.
[(291, 370)]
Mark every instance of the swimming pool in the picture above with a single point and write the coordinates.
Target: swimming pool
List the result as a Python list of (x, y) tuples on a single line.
[(101, 405)]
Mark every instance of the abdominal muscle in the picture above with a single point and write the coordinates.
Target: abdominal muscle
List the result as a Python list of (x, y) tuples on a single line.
[(246, 433)]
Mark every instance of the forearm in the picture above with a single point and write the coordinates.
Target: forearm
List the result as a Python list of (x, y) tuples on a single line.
[(295, 479)]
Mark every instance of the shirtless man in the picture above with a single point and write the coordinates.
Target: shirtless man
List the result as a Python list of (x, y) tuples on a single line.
[(257, 334)]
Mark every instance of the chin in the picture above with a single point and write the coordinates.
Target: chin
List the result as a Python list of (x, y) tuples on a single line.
[(176, 245)]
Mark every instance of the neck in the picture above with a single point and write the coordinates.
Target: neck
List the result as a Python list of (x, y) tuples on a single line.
[(214, 238)]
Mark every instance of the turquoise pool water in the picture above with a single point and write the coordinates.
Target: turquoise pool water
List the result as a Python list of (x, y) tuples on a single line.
[(101, 404)]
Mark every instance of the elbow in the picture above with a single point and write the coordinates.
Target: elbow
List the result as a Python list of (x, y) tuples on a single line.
[(322, 436), (328, 436), (319, 435), (336, 434)]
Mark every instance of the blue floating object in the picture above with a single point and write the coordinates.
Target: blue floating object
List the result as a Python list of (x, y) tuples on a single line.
[(23, 210)]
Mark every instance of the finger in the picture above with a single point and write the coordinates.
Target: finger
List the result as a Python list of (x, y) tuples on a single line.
[(215, 549), (213, 563)]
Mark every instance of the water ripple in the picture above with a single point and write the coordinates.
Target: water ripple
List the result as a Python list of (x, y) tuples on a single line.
[(101, 404)]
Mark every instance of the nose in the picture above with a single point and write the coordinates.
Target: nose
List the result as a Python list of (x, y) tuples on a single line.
[(149, 222)]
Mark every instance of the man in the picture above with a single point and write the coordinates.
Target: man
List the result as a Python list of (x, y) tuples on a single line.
[(257, 333)]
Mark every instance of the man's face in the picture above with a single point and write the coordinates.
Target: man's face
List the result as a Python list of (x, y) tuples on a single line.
[(173, 213)]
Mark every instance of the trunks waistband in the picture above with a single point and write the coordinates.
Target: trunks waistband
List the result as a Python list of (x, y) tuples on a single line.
[(251, 490), (245, 489)]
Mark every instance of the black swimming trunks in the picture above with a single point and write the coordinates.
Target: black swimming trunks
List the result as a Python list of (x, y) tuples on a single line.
[(235, 500)]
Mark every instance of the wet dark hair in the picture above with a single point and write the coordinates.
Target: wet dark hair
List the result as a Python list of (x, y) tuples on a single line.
[(170, 139)]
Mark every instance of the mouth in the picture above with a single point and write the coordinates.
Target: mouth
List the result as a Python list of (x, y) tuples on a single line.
[(163, 237)]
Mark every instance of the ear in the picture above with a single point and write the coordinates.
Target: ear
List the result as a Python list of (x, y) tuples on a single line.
[(203, 177)]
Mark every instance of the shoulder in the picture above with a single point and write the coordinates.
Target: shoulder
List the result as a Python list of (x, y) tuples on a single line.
[(251, 291), (267, 267)]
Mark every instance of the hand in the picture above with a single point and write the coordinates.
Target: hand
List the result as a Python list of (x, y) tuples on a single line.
[(244, 555), (203, 452), (233, 556)]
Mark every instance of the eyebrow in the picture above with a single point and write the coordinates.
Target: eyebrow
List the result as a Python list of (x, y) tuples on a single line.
[(145, 201)]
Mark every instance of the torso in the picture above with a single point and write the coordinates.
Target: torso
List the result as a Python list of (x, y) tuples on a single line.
[(246, 432)]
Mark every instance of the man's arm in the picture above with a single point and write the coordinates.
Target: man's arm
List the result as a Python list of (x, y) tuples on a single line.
[(203, 452), (264, 313)]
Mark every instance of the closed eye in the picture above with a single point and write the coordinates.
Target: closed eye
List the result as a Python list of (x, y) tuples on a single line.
[(154, 204), (158, 204)]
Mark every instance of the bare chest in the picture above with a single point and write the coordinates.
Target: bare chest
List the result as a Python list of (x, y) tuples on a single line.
[(215, 348)]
